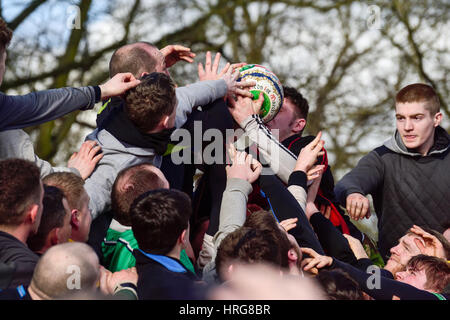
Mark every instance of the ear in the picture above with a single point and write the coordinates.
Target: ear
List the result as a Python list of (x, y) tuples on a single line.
[(437, 118), (183, 238), (54, 236), (299, 125), (32, 213), (74, 219), (292, 256), (144, 74), (165, 122)]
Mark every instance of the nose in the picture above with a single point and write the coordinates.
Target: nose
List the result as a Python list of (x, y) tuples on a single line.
[(408, 125), (394, 250)]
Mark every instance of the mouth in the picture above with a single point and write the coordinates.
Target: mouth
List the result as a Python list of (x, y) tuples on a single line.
[(409, 137)]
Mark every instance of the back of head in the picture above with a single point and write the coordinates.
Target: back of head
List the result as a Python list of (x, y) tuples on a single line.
[(419, 92), (20, 187), (247, 245), (52, 217), (64, 269), (135, 58), (265, 221), (158, 218), (339, 285), (70, 184), (436, 270), (5, 35), (300, 103), (152, 99), (131, 183)]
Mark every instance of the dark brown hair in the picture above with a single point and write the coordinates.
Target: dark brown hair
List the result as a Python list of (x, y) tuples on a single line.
[(437, 271), (5, 35), (158, 218), (152, 99), (20, 187)]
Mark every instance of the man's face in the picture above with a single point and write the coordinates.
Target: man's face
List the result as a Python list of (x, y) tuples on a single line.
[(416, 125), (403, 251), (65, 232), (2, 64), (82, 233), (415, 278), (284, 120)]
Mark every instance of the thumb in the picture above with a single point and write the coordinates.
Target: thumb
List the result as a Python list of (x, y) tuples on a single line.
[(258, 103)]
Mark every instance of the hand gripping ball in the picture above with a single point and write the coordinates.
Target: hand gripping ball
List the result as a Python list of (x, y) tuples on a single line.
[(268, 84)]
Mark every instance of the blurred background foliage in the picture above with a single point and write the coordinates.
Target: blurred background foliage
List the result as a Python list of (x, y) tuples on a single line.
[(348, 58)]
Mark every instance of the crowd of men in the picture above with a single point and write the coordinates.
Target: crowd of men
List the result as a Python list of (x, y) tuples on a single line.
[(264, 220)]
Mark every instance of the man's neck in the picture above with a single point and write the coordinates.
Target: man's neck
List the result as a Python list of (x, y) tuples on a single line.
[(20, 233)]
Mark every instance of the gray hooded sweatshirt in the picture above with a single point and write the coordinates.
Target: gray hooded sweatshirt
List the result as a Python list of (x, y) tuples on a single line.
[(118, 155)]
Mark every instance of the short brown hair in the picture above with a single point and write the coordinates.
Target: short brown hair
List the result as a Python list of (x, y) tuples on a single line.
[(248, 245), (5, 35), (70, 184), (152, 99), (264, 220), (138, 180), (437, 271), (419, 92), (20, 187)]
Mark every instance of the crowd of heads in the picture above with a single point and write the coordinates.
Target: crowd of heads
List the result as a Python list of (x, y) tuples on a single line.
[(52, 216)]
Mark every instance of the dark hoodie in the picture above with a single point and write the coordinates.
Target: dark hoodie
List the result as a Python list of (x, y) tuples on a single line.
[(407, 188)]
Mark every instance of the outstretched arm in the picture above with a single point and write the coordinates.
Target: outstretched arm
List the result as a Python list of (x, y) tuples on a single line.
[(42, 106)]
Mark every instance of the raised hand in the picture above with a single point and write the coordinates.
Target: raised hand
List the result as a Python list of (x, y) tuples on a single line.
[(243, 166), (433, 246), (118, 85), (174, 53), (308, 155)]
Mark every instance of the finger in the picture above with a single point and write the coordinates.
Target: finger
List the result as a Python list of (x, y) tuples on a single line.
[(238, 65), (97, 158), (247, 84), (316, 140), (351, 209), (187, 59), (94, 151), (215, 65), (248, 160), (244, 93), (224, 70), (365, 208), (208, 62), (259, 102), (73, 156), (358, 209), (309, 251), (328, 213), (419, 245), (201, 71)]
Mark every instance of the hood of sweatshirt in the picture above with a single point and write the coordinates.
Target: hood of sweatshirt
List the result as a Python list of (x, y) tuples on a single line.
[(440, 145)]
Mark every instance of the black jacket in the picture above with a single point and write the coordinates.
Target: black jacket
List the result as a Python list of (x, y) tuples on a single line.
[(13, 251), (407, 188), (166, 280)]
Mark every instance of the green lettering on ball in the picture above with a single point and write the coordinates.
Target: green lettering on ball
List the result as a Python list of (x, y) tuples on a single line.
[(265, 108)]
